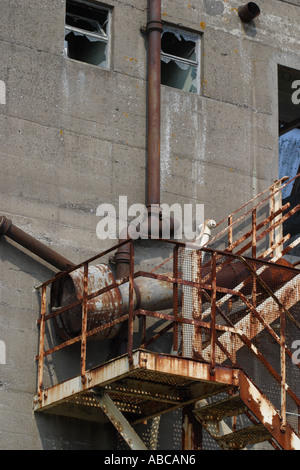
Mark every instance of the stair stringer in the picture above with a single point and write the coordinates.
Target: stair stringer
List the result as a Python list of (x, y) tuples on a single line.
[(266, 413)]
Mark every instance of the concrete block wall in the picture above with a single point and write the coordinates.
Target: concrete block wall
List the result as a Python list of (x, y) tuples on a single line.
[(73, 136)]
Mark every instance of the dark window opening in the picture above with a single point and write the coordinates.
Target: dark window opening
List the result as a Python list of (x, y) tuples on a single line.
[(87, 33), (180, 60), (289, 144)]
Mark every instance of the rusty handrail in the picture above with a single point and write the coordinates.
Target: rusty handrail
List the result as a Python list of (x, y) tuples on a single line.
[(80, 265), (84, 323), (175, 320), (230, 217)]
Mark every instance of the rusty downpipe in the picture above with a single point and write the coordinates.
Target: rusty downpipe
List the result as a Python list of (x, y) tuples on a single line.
[(154, 223), (154, 30), (27, 241)]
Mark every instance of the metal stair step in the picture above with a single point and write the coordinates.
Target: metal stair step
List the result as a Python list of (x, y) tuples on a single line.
[(231, 406), (247, 436)]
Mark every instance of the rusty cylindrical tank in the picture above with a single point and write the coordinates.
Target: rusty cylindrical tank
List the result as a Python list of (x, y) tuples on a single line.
[(149, 294), (101, 309)]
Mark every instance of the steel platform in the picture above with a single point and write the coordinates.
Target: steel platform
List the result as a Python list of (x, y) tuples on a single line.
[(151, 385)]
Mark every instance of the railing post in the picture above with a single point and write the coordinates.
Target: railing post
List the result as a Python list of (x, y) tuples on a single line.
[(131, 305), (271, 212), (41, 343), (283, 370), (254, 280), (197, 300), (84, 322), (175, 299), (254, 233), (213, 311), (230, 230), (275, 204)]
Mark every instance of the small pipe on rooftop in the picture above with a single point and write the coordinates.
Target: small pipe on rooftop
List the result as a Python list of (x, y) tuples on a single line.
[(33, 245), (248, 12)]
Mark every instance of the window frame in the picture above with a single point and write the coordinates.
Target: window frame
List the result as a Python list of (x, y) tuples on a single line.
[(102, 36), (192, 63)]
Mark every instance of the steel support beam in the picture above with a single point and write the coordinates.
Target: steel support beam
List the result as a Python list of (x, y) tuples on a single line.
[(120, 422)]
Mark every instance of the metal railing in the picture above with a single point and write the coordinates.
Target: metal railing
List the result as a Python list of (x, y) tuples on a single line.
[(253, 214), (226, 305), (225, 318)]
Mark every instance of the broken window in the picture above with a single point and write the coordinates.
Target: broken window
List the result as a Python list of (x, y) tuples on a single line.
[(87, 33), (180, 57)]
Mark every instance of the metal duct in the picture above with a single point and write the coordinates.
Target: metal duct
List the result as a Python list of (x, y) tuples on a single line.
[(33, 245)]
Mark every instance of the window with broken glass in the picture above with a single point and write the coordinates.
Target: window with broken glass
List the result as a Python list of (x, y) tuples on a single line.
[(180, 60), (87, 33)]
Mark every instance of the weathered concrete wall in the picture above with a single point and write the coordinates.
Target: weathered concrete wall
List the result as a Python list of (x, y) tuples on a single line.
[(73, 136)]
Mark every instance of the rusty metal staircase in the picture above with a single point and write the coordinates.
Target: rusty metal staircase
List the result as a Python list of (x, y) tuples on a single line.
[(212, 418), (252, 405), (263, 421), (234, 321)]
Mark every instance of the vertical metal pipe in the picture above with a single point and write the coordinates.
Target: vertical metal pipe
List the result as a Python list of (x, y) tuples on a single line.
[(154, 223), (154, 29), (41, 344)]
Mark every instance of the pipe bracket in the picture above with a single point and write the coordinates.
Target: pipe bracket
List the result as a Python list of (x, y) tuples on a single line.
[(154, 26)]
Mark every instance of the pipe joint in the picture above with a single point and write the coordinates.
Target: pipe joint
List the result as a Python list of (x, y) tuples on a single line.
[(122, 256), (154, 26)]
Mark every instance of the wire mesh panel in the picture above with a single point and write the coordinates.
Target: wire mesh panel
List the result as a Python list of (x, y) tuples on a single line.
[(252, 321)]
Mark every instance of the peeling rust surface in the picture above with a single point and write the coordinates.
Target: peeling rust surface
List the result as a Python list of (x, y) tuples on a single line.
[(262, 408), (101, 309)]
